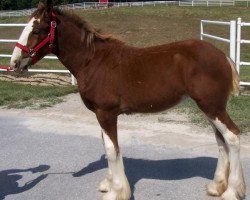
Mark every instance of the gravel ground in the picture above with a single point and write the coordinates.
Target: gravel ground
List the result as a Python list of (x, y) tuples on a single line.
[(56, 153)]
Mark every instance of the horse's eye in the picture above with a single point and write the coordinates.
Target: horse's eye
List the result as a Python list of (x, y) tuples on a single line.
[(36, 32)]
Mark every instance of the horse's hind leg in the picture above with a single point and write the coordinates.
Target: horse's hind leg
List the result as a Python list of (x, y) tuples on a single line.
[(236, 185), (116, 185), (236, 188), (220, 181)]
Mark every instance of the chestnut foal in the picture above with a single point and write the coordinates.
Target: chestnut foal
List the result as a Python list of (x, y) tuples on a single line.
[(114, 78)]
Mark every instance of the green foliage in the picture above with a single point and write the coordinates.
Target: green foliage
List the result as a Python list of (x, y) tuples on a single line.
[(24, 4), (6, 4)]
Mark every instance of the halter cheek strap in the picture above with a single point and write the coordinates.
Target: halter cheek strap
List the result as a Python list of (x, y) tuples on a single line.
[(49, 39)]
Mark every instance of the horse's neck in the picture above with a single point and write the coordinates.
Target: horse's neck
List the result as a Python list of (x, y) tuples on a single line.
[(74, 55), (70, 47)]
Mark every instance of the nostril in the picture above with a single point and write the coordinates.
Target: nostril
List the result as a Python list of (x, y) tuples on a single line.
[(14, 64)]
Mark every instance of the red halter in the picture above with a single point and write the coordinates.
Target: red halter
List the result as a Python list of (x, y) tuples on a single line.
[(49, 39)]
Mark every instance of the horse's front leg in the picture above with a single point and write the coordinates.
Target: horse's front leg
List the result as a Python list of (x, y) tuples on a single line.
[(116, 185), (105, 185)]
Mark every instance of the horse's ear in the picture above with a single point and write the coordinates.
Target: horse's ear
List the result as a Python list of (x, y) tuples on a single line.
[(49, 6), (40, 6)]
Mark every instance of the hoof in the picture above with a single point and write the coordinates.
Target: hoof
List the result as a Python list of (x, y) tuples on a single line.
[(216, 189), (242, 188), (230, 194), (114, 194), (105, 185), (111, 195)]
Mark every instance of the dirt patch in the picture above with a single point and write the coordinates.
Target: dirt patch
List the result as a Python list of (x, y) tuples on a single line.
[(245, 90), (168, 129), (38, 79)]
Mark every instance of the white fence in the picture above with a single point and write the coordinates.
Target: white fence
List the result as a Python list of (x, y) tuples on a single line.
[(91, 5), (96, 5), (234, 49), (239, 42), (231, 40), (207, 3), (46, 57)]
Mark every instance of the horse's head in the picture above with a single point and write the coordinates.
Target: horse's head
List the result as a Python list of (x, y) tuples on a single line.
[(36, 39)]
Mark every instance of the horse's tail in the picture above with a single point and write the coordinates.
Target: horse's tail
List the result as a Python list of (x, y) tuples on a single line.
[(235, 78)]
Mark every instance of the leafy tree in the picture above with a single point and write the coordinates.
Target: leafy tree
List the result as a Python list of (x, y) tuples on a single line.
[(24, 4), (34, 3), (7, 4)]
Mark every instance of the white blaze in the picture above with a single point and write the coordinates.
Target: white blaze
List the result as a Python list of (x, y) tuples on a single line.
[(17, 53)]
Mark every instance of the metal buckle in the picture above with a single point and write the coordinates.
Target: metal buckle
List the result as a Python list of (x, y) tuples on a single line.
[(32, 53), (53, 24)]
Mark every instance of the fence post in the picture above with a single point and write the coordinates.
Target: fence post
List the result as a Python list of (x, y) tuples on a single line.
[(192, 3), (73, 80), (238, 44), (232, 39), (201, 31)]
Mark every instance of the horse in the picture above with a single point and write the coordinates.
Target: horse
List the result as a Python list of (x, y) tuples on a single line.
[(114, 78)]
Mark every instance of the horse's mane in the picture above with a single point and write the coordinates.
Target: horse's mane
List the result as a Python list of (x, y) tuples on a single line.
[(89, 32)]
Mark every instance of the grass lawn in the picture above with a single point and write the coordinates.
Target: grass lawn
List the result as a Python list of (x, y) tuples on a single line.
[(14, 95), (238, 109), (141, 27)]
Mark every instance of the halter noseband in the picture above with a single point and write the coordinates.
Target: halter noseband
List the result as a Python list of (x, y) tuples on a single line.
[(49, 39)]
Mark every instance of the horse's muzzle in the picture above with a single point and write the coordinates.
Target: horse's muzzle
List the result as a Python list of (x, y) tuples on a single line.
[(21, 66)]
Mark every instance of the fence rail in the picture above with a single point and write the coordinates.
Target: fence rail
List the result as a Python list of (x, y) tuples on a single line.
[(231, 40), (240, 41), (207, 3), (235, 41), (90, 5), (234, 52)]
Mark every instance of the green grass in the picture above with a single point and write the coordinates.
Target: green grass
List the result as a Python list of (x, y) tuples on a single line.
[(146, 26), (238, 109), (14, 95)]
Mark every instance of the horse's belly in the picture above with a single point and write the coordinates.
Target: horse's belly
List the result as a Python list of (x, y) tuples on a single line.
[(150, 102)]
